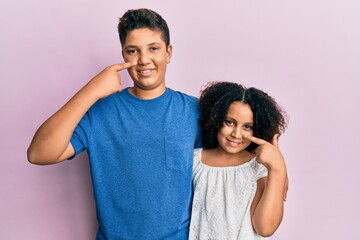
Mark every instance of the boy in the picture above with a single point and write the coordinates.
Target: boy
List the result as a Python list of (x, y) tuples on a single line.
[(140, 140)]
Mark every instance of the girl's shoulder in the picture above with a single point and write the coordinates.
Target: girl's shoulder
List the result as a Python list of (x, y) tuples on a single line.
[(258, 169), (197, 155)]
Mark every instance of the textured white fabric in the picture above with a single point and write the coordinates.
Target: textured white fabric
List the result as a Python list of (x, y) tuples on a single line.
[(222, 200)]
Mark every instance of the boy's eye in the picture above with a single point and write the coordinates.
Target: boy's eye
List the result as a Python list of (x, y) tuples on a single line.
[(132, 51), (153, 49)]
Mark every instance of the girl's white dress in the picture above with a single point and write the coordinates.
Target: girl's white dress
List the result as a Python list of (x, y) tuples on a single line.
[(222, 200)]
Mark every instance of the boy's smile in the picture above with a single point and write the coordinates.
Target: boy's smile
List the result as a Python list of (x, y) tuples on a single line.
[(145, 72), (148, 49)]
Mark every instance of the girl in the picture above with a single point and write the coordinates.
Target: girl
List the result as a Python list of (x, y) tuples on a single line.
[(240, 179)]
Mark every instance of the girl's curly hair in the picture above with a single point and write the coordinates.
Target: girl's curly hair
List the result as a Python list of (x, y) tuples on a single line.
[(215, 100)]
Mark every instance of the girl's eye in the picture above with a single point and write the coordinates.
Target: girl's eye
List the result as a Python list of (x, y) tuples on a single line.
[(248, 127), (229, 122)]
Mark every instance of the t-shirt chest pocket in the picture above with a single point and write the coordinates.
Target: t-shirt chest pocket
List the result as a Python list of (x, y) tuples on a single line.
[(179, 153)]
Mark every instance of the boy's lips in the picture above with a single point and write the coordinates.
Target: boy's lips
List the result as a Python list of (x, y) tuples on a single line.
[(145, 71)]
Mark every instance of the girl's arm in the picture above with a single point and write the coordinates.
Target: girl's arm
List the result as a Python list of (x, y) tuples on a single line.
[(268, 204)]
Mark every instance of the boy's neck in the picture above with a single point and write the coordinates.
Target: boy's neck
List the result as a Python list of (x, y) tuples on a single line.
[(147, 94)]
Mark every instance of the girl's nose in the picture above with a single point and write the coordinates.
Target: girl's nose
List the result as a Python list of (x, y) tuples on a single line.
[(237, 132)]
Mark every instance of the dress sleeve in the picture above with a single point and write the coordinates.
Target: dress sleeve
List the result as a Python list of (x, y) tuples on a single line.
[(260, 171), (197, 156)]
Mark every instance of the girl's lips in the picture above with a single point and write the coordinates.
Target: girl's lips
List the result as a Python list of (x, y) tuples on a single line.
[(233, 143)]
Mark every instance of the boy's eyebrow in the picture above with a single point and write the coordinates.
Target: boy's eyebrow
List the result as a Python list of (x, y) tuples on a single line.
[(130, 46), (154, 43), (150, 44)]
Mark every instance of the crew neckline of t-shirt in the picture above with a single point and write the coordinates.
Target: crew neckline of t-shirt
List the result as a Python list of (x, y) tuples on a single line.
[(140, 100), (226, 167)]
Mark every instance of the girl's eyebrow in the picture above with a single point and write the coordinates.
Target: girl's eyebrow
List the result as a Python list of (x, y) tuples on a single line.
[(230, 118)]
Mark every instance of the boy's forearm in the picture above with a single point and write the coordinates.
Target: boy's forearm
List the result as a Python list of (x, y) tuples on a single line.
[(52, 140), (269, 211), (53, 137)]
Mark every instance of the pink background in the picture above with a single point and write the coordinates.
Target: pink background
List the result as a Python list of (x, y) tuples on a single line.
[(304, 53)]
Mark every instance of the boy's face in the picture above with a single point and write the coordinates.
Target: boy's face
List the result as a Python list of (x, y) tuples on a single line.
[(148, 49)]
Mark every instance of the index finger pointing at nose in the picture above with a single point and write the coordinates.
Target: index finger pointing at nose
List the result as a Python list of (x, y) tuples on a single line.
[(122, 66), (256, 140), (275, 140)]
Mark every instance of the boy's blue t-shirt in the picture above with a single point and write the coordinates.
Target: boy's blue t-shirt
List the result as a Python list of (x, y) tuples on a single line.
[(141, 155)]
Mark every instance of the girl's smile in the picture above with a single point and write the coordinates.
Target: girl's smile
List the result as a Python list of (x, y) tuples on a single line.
[(237, 124)]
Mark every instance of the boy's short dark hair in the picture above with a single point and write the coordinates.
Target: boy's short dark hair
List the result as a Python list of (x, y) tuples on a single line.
[(214, 103), (143, 18)]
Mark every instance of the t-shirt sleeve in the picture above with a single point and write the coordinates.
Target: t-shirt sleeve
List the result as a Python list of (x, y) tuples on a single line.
[(80, 138), (198, 142)]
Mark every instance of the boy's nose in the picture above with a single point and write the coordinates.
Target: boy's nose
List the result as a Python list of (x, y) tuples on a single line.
[(143, 59)]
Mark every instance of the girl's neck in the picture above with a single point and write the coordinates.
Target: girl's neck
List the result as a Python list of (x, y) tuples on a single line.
[(217, 157)]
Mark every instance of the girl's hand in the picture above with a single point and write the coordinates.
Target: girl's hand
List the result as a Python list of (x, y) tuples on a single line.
[(270, 156)]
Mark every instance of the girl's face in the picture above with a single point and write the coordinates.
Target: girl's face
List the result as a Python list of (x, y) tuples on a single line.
[(239, 122)]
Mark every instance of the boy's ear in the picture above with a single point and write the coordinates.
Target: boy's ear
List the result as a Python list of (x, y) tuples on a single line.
[(169, 53)]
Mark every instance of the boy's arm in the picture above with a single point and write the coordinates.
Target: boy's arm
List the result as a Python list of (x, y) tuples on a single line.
[(268, 204), (51, 143)]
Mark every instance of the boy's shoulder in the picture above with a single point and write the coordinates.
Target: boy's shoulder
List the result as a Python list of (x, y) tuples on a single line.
[(183, 95)]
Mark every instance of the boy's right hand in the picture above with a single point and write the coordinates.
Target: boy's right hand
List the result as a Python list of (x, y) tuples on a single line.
[(108, 81), (51, 143)]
